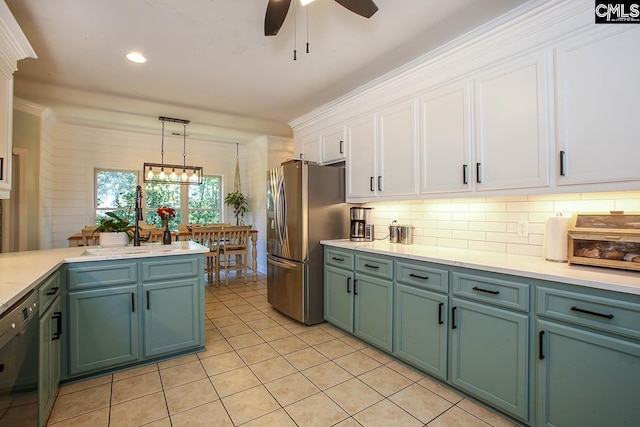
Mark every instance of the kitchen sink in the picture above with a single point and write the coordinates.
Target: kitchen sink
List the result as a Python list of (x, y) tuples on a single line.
[(131, 250)]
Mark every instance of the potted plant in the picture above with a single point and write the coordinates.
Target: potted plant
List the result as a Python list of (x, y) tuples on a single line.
[(114, 230), (240, 205)]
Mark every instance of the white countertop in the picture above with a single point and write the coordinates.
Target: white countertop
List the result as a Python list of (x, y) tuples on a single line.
[(517, 265), (20, 272)]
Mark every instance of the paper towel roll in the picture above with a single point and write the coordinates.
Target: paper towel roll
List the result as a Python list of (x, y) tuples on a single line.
[(555, 238)]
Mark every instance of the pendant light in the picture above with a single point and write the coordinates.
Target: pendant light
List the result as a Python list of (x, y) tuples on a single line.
[(164, 173)]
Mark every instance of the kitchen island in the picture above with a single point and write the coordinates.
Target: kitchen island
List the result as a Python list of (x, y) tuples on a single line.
[(546, 343)]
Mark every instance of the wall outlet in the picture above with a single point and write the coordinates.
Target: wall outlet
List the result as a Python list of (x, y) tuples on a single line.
[(522, 229)]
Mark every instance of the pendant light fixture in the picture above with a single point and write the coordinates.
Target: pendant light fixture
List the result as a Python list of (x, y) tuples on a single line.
[(164, 173)]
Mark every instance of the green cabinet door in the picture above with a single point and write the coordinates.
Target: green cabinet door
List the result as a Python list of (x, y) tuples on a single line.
[(49, 360), (489, 354), (373, 314), (103, 328), (586, 378), (171, 316), (420, 336), (338, 297)]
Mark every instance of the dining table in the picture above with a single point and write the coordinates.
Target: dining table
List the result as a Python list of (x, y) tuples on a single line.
[(183, 235)]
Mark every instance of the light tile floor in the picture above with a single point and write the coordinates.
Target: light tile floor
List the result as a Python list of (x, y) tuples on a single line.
[(261, 368)]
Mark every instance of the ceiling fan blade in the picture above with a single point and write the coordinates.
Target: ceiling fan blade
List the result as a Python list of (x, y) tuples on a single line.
[(274, 18), (364, 8)]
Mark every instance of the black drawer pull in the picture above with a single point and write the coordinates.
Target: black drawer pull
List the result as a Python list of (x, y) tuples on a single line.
[(348, 283), (593, 313), (453, 318), (337, 259), (355, 289), (372, 266), (133, 302), (58, 333), (475, 288), (419, 277), (148, 301), (53, 290), (440, 321), (540, 341)]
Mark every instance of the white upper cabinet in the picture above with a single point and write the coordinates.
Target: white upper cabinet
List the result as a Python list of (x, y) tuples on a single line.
[(446, 139), (397, 150), (13, 47), (333, 146), (598, 106), (311, 148), (382, 160), (511, 125), (361, 158)]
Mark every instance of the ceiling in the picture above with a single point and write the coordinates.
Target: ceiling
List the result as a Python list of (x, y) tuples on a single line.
[(210, 58)]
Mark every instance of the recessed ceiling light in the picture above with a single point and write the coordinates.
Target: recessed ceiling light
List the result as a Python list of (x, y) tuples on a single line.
[(136, 57)]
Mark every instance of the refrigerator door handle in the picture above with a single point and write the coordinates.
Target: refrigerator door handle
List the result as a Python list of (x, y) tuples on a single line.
[(282, 263), (281, 210)]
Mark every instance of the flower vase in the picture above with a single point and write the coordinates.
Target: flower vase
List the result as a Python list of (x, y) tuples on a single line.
[(166, 236)]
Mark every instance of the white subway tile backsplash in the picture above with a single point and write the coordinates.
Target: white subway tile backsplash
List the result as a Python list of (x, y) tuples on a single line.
[(489, 223)]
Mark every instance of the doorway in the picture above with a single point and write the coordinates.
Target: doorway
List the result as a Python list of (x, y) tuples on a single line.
[(13, 233)]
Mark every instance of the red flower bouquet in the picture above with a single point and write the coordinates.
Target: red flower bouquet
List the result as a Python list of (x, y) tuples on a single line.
[(166, 213)]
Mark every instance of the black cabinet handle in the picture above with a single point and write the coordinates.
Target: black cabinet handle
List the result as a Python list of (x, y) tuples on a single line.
[(337, 259), (58, 333), (419, 277), (372, 266), (540, 341), (1, 168), (475, 288), (593, 313), (440, 321), (53, 290), (379, 183), (478, 180), (341, 147), (348, 283), (464, 174), (371, 184), (355, 288), (148, 301), (133, 302), (562, 160), (453, 318)]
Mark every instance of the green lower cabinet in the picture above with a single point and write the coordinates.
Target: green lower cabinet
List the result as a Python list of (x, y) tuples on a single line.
[(103, 328), (338, 297), (586, 378), (373, 314), (171, 316), (421, 329), (489, 355), (49, 370)]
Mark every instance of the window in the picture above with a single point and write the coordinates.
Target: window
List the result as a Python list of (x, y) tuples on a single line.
[(194, 204), (115, 192)]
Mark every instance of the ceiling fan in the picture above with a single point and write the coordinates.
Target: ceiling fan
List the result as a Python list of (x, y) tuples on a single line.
[(277, 12)]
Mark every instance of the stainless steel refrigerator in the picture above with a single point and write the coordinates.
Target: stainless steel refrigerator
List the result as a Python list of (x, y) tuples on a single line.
[(305, 204)]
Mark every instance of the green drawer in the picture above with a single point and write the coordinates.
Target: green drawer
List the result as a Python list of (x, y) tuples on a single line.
[(421, 276), (607, 314), (505, 293), (167, 268), (375, 266), (338, 258), (97, 274), (48, 291)]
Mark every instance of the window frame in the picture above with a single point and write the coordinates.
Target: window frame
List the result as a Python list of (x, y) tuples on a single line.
[(96, 171)]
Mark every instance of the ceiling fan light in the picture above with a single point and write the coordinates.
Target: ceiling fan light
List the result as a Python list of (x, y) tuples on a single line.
[(136, 57), (305, 2)]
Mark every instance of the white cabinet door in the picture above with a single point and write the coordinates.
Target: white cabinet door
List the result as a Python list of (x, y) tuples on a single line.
[(333, 147), (6, 114), (511, 125), (446, 139), (361, 159), (311, 148), (398, 159), (598, 106)]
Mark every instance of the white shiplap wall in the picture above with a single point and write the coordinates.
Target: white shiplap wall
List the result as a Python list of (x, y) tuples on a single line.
[(489, 223), (75, 151)]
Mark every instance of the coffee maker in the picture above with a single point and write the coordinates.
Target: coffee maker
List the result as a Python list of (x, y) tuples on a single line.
[(361, 225)]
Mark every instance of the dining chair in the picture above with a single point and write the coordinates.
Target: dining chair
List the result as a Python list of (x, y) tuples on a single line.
[(235, 245), (89, 238), (209, 236), (155, 234)]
